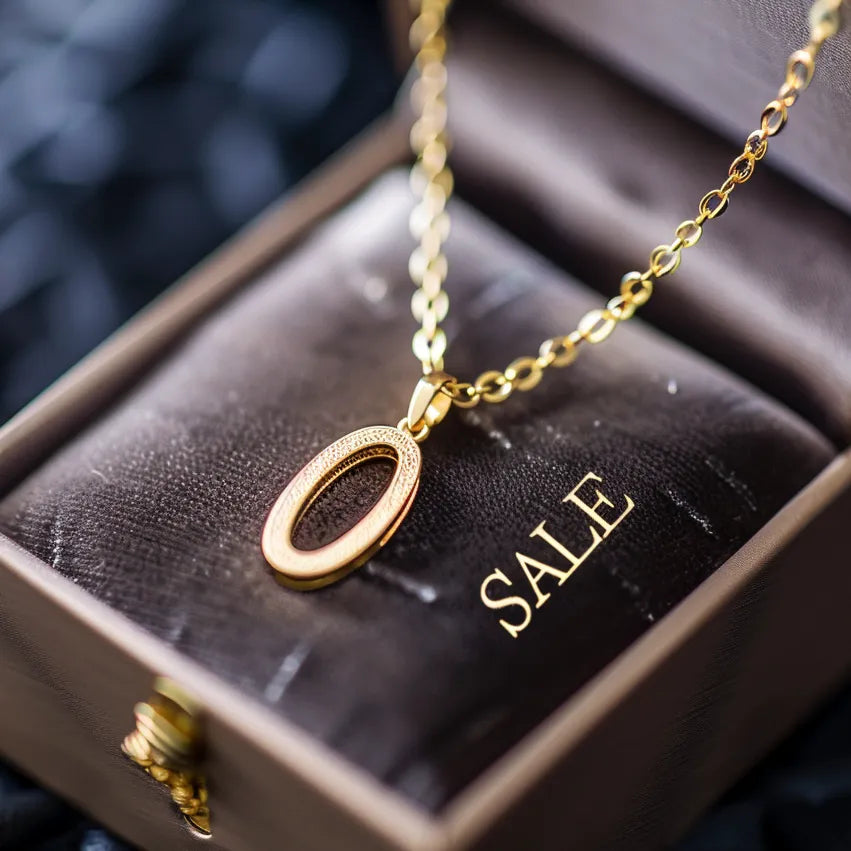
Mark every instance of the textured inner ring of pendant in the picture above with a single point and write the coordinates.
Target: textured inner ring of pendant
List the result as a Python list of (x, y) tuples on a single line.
[(313, 568)]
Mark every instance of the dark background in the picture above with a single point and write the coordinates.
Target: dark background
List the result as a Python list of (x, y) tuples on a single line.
[(137, 135)]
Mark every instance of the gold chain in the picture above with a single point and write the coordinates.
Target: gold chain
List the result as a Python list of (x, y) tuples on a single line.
[(432, 181)]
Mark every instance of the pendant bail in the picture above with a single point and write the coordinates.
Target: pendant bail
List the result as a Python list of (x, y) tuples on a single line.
[(428, 406)]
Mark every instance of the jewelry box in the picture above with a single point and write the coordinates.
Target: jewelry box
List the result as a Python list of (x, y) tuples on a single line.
[(421, 703)]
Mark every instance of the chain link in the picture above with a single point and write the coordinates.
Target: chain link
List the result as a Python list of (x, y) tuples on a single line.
[(432, 182)]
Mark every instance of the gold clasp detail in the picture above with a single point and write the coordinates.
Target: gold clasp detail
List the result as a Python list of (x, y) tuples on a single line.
[(429, 405)]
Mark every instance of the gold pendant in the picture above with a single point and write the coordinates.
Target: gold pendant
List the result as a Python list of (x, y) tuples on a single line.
[(309, 569)]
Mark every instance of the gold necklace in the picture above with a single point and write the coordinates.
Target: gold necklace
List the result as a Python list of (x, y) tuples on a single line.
[(437, 391)]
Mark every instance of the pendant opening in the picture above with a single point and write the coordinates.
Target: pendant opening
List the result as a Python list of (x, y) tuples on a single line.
[(344, 497)]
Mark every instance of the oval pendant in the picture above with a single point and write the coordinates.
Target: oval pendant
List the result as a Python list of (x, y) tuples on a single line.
[(306, 569)]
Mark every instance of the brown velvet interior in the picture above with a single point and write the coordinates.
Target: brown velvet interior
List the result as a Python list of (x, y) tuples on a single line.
[(594, 172), (157, 508)]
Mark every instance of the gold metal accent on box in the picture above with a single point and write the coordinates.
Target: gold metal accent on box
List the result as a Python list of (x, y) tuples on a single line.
[(168, 743)]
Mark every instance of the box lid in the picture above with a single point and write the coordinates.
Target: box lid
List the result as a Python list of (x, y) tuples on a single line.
[(722, 62)]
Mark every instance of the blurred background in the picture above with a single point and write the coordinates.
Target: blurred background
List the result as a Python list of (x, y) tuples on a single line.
[(137, 135)]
